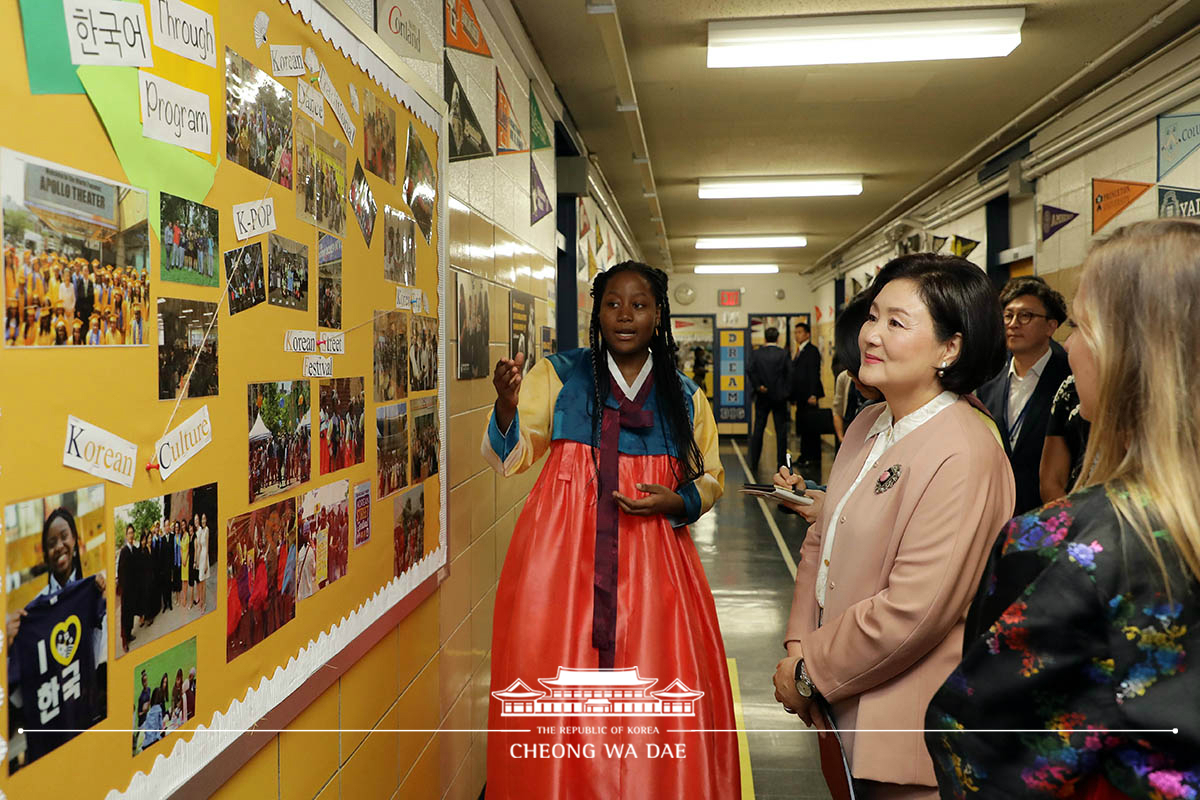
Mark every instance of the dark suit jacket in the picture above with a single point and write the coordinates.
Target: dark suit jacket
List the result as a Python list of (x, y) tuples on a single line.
[(770, 367), (806, 374), (1026, 454)]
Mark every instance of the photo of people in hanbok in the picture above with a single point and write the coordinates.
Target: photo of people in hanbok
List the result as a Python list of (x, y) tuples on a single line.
[(76, 257), (362, 200), (391, 439), (244, 277), (379, 136), (164, 694), (166, 564), (324, 537), (287, 273), (280, 455), (423, 354), (425, 442), (391, 356), (190, 242), (474, 324), (56, 625), (320, 178), (261, 553), (329, 281), (399, 247), (343, 432), (408, 528), (187, 343), (420, 183), (258, 120)]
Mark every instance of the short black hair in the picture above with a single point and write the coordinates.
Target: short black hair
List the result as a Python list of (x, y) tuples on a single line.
[(846, 329), (960, 299), (803, 324), (771, 334), (1056, 306)]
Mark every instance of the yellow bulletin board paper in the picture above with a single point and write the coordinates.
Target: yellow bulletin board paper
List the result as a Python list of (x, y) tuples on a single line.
[(117, 389)]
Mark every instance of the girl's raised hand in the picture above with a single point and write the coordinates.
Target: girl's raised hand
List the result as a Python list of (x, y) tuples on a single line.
[(507, 380)]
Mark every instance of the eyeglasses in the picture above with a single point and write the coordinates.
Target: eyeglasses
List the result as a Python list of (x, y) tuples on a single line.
[(1022, 317)]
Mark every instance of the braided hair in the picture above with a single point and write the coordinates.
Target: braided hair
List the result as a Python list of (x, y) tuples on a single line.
[(672, 408)]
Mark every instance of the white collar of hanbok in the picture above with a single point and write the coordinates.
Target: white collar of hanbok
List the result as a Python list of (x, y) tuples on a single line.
[(630, 390)]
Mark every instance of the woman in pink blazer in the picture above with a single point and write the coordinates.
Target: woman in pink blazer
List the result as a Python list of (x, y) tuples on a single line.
[(918, 493)]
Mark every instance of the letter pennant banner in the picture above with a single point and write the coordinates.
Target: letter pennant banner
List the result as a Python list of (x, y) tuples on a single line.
[(509, 136), (1110, 198), (962, 247), (1055, 219), (462, 28)]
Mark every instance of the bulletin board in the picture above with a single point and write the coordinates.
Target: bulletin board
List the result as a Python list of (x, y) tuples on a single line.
[(323, 497)]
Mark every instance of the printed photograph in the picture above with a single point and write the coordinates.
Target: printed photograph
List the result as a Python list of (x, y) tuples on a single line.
[(391, 438), (408, 528), (521, 327), (260, 583), (379, 136), (324, 537), (422, 354), (258, 120), (343, 433), (362, 513), (424, 438), (182, 325), (244, 277), (399, 247), (420, 183), (166, 564), (57, 623), (278, 413), (287, 273), (320, 178), (474, 321), (329, 281), (391, 356), (164, 692), (190, 242), (362, 200), (76, 257)]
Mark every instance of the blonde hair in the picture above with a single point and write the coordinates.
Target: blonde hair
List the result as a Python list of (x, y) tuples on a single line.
[(1139, 312)]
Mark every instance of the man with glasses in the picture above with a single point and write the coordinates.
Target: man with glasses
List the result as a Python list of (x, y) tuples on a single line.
[(1019, 397)]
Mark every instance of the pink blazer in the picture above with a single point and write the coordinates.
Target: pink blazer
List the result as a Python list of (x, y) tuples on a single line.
[(905, 565)]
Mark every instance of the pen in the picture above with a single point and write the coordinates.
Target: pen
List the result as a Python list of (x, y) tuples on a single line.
[(789, 461)]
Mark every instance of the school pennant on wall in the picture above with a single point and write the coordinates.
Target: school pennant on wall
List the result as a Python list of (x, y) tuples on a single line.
[(463, 31), (467, 139), (539, 136), (397, 23), (962, 247), (509, 136), (938, 243), (1178, 138), (585, 225), (539, 201), (1110, 198), (1055, 219), (1176, 202), (599, 238)]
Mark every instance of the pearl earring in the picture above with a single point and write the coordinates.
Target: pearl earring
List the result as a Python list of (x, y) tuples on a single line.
[(942, 370)]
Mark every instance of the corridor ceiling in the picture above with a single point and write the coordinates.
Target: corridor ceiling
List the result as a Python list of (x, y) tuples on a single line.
[(898, 124)]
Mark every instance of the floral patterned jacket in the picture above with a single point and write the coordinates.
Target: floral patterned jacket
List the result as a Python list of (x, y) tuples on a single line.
[(1075, 665)]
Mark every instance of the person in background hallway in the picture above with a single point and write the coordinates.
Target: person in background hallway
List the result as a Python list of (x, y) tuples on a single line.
[(770, 380), (916, 496), (850, 395), (1088, 617), (1019, 396), (806, 391), (1066, 442)]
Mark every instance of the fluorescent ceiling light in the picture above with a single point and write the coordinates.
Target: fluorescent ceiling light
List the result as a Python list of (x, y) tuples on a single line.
[(793, 186), (864, 38), (732, 242), (736, 269)]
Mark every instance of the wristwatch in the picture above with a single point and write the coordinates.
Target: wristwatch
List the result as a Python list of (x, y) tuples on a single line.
[(803, 684)]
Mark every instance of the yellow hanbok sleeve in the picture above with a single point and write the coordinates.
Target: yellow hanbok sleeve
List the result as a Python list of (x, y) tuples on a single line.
[(700, 494), (528, 435)]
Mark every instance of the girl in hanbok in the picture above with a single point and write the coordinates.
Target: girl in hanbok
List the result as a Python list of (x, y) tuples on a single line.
[(605, 630)]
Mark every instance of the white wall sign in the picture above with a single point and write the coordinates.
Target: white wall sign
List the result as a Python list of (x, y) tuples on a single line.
[(310, 101), (184, 30), (300, 342), (251, 219), (333, 344), (397, 24), (287, 59), (107, 33), (174, 114), (318, 367), (98, 452), (335, 102), (189, 438)]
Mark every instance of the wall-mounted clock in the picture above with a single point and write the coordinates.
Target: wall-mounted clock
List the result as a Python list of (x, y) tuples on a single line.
[(684, 294)]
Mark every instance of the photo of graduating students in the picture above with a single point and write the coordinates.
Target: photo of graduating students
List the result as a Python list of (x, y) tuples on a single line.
[(244, 277), (343, 431), (379, 136), (399, 246), (76, 257), (164, 694), (424, 438), (320, 178), (408, 529), (190, 242), (422, 354), (391, 356), (182, 325), (165, 552), (56, 631), (324, 537), (261, 554), (280, 456), (362, 200), (287, 273), (474, 325), (420, 183), (391, 440), (329, 281), (258, 120)]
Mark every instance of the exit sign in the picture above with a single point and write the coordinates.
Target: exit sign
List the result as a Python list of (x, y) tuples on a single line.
[(729, 297)]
